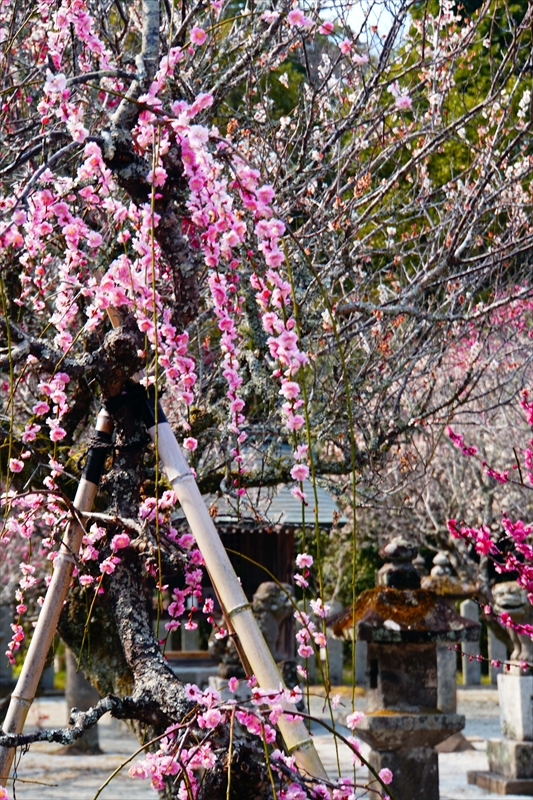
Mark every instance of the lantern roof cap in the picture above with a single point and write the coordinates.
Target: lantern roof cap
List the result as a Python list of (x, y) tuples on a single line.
[(408, 615)]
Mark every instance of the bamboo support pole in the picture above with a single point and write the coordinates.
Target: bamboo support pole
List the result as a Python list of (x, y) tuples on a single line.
[(235, 603), (26, 687)]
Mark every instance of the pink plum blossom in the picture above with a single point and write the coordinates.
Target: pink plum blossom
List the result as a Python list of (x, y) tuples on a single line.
[(297, 492), (295, 792), (266, 193), (94, 239), (119, 541), (295, 421), (210, 718), (300, 472), (270, 16), (289, 389), (157, 176), (352, 720), (297, 17), (319, 608), (304, 560), (345, 47), (56, 431), (301, 452), (386, 775), (198, 35), (55, 84), (404, 102), (198, 136), (109, 565)]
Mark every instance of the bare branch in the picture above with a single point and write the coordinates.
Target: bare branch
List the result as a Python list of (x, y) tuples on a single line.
[(80, 722)]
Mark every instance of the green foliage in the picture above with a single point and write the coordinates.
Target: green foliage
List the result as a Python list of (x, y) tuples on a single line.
[(336, 555), (367, 562)]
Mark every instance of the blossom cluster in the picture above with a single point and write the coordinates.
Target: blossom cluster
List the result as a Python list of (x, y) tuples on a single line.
[(512, 552), (181, 754)]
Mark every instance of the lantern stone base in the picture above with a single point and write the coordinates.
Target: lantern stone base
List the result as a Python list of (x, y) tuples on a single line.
[(510, 759), (511, 768), (415, 772), (404, 743), (491, 782), (394, 730), (516, 709)]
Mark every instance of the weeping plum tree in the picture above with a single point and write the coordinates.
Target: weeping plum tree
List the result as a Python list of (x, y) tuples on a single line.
[(299, 222)]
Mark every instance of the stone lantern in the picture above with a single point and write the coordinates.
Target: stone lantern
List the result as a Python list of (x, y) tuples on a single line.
[(402, 625), (511, 756)]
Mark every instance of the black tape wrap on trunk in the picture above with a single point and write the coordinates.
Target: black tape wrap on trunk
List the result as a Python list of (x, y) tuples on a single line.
[(94, 465), (147, 410), (141, 401)]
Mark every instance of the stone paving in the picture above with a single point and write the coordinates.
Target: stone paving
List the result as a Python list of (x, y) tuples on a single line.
[(45, 774)]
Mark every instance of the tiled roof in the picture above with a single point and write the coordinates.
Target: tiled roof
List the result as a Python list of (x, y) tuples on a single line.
[(273, 507)]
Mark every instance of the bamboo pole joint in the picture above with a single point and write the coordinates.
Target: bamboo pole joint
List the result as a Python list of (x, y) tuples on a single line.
[(304, 744), (24, 701), (64, 557), (239, 609)]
